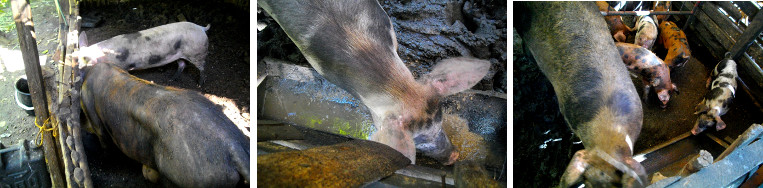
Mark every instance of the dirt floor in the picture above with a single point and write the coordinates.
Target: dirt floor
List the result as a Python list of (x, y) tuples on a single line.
[(226, 70), (544, 144)]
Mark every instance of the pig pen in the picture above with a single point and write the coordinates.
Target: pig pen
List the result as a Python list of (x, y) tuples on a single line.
[(226, 69), (544, 144), (292, 93)]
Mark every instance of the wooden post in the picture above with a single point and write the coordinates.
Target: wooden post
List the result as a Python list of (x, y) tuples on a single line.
[(743, 42), (22, 15)]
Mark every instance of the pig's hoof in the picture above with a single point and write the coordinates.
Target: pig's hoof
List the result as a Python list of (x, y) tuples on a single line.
[(150, 174)]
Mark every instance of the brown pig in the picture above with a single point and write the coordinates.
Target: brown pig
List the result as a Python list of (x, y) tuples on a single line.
[(575, 52), (675, 41), (617, 28), (653, 72), (176, 134)]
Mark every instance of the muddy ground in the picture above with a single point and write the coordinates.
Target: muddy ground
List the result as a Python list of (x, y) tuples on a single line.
[(226, 70), (544, 144), (426, 33)]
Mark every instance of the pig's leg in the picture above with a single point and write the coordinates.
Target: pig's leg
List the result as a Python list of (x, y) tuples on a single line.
[(181, 66), (646, 90), (719, 124), (435, 143)]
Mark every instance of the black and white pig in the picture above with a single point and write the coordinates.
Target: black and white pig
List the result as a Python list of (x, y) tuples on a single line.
[(158, 46), (177, 133), (574, 50), (353, 45), (716, 101)]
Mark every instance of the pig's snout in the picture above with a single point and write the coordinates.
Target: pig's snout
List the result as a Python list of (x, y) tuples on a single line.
[(664, 98)]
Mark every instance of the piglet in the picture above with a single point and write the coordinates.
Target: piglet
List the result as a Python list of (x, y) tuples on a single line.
[(154, 47), (716, 101), (653, 72), (617, 27), (675, 41), (646, 32), (353, 45)]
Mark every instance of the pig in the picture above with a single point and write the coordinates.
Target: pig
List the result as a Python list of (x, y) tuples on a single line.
[(176, 134), (181, 41), (617, 28), (675, 42), (653, 71), (646, 32), (595, 93), (716, 101), (353, 45), (661, 6)]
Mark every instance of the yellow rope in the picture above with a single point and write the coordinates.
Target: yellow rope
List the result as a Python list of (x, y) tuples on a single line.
[(42, 128)]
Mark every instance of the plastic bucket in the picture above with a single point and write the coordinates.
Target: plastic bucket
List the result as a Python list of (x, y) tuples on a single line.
[(23, 98)]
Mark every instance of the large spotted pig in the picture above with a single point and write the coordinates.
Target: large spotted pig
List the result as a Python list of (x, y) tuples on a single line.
[(574, 50), (353, 45), (716, 101), (175, 133), (654, 73), (646, 32), (181, 41), (674, 39)]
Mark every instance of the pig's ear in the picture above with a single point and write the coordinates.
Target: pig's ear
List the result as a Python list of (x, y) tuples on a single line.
[(454, 75), (701, 107), (573, 175), (675, 89), (82, 39)]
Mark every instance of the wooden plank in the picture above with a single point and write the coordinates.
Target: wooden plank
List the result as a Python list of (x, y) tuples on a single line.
[(711, 10), (730, 9), (752, 75), (756, 52), (744, 41), (22, 15), (720, 35), (712, 45), (747, 7)]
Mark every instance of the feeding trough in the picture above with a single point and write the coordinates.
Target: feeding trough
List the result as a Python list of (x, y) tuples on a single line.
[(23, 98)]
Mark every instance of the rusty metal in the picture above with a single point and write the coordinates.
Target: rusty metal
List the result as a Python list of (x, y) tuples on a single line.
[(644, 13)]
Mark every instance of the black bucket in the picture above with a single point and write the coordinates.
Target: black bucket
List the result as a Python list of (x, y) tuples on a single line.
[(23, 98)]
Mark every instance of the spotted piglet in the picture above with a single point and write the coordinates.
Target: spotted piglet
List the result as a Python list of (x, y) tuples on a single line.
[(154, 47), (647, 32), (653, 71), (716, 101)]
